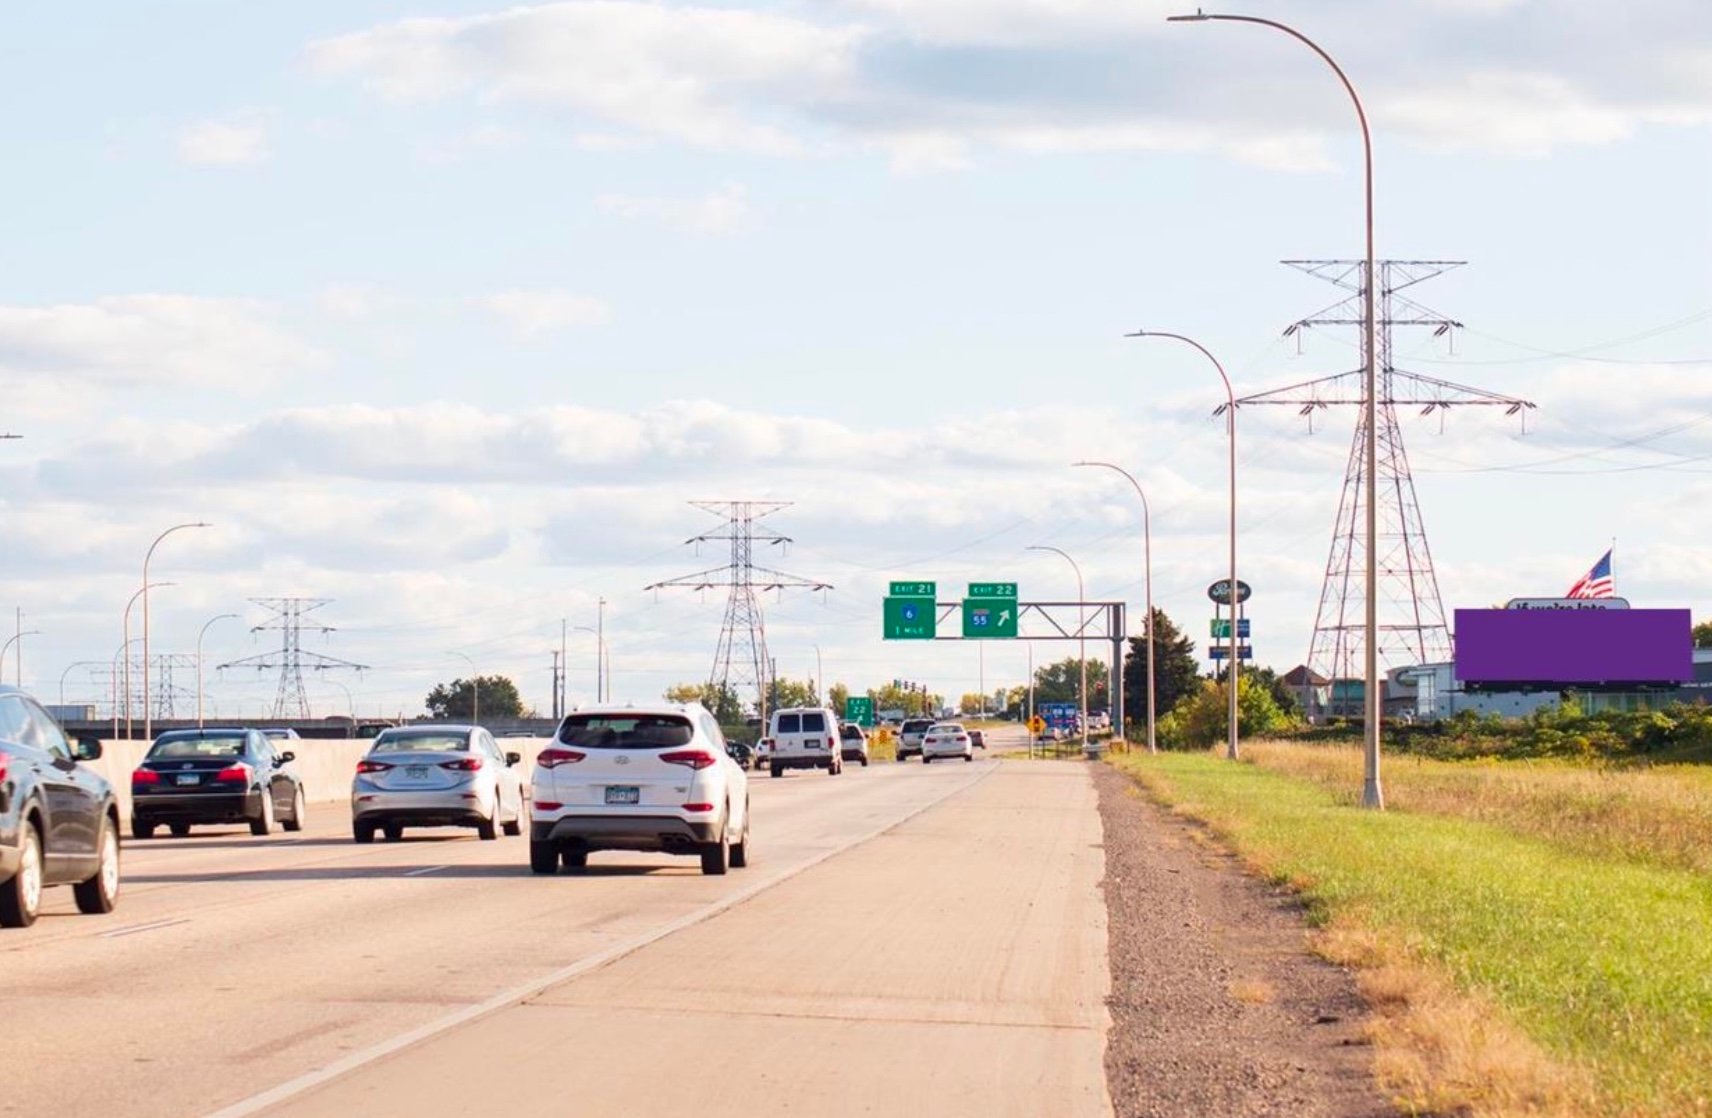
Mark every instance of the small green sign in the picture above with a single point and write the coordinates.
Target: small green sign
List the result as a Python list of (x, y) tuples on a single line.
[(860, 710), (992, 589), (1220, 628), (911, 612), (990, 611)]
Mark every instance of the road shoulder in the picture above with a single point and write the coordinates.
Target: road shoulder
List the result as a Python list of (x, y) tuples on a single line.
[(1218, 1004)]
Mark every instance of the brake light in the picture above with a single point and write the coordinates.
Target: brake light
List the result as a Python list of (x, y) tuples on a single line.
[(238, 773), (698, 807), (373, 767), (693, 758), (830, 742), (553, 758), (142, 776), (464, 764), (547, 805), (3, 762)]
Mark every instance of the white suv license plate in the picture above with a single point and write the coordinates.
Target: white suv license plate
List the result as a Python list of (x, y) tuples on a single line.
[(616, 794)]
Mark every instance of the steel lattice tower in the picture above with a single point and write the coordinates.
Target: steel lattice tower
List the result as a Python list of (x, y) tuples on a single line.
[(740, 658), (292, 700), (1412, 627)]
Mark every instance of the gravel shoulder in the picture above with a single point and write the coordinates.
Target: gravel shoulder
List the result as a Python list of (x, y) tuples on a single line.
[(1218, 1005)]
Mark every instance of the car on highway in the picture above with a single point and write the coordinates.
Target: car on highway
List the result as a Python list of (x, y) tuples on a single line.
[(230, 775), (436, 776), (59, 822), (946, 741), (910, 735), (977, 739), (804, 738), (741, 752), (853, 743), (653, 778), (282, 733), (763, 749)]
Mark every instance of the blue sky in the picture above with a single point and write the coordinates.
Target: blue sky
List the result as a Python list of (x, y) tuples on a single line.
[(444, 311)]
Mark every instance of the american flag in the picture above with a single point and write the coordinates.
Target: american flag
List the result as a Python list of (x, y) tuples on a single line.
[(1595, 583)]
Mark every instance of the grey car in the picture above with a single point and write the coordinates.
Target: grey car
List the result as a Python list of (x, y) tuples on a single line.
[(436, 776)]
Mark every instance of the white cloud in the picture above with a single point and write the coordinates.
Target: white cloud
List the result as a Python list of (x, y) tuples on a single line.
[(155, 340), (223, 142), (723, 211), (531, 314)]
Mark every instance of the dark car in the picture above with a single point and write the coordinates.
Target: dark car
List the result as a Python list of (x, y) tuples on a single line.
[(215, 776), (741, 752), (59, 822)]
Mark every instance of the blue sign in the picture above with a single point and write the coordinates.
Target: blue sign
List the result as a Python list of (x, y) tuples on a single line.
[(1060, 716)]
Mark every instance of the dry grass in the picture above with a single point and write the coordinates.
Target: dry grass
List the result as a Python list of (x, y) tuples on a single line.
[(1254, 991), (1660, 815)]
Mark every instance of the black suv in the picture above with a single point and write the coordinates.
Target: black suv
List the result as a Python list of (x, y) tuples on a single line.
[(59, 822)]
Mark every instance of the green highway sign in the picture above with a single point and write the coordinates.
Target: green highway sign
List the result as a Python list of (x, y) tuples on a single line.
[(990, 611), (910, 613), (860, 710)]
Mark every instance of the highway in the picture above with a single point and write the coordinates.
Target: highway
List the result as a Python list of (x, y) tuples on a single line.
[(895, 918)]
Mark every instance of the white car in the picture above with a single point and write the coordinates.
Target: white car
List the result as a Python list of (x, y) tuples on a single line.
[(653, 778), (945, 740)]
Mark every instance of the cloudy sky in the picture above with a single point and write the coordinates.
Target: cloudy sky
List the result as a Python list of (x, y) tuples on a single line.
[(445, 311)]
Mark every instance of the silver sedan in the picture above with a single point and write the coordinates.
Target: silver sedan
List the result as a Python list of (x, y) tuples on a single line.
[(436, 776)]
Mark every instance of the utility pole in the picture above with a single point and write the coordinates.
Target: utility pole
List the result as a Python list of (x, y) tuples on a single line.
[(603, 676), (564, 670), (292, 698), (557, 713)]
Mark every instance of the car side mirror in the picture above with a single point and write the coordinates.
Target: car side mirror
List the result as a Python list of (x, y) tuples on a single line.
[(287, 757), (513, 758), (86, 749)]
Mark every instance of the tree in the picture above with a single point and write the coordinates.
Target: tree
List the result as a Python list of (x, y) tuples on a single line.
[(1059, 683), (839, 694), (912, 702), (1179, 672), (1703, 635), (1203, 718), (970, 705), (790, 693), (458, 700), (720, 700), (1288, 699)]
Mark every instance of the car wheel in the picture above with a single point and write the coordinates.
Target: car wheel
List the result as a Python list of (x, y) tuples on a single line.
[(971, 756), (926, 760), (393, 831), (716, 855), (179, 830), (740, 849), (263, 823), (21, 897), (777, 772), (543, 857), (488, 829), (363, 832), (295, 823), (864, 762), (575, 859), (101, 892), (141, 830)]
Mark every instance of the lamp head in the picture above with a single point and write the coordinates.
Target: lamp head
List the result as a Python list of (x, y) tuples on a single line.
[(1138, 334), (1198, 17)]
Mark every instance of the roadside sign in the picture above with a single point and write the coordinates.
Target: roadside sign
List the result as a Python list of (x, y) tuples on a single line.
[(1222, 652), (990, 611), (1220, 627), (1037, 725), (1220, 591), (860, 710), (909, 611)]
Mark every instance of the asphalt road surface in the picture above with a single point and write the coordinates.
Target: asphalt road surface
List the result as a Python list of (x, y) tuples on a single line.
[(930, 938)]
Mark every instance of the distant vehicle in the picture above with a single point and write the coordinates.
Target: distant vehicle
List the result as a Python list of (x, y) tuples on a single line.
[(977, 739), (59, 822), (853, 743), (946, 740), (805, 738), (282, 733), (763, 750), (231, 775), (910, 735), (653, 778), (741, 752), (436, 776)]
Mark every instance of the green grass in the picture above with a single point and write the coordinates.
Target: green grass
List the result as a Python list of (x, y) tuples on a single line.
[(1606, 964)]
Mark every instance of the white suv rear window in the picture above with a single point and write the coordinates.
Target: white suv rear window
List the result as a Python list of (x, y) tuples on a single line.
[(626, 731)]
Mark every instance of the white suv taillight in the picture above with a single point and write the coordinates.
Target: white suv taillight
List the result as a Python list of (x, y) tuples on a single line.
[(553, 758), (693, 758)]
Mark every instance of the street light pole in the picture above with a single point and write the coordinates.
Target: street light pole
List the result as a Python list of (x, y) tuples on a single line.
[(199, 636), (1147, 579), (599, 658), (1081, 633), (1233, 675), (475, 688), (148, 699), (126, 650), (1372, 794), (12, 640), (819, 679)]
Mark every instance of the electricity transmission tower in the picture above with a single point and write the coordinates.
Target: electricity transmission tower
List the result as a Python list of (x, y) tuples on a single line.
[(1412, 627), (292, 700), (740, 659)]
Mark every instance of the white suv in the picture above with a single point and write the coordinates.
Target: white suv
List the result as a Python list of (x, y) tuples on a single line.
[(805, 738), (945, 740), (653, 778)]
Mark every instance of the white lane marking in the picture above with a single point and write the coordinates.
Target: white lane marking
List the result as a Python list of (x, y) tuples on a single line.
[(426, 870), (135, 929), (255, 1104)]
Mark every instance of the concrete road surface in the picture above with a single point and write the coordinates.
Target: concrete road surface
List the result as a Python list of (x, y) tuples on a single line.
[(954, 963)]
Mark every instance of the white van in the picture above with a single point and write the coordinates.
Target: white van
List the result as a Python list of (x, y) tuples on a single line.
[(804, 738)]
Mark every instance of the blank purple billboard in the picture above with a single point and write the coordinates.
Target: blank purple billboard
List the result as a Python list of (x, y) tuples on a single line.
[(1574, 647)]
